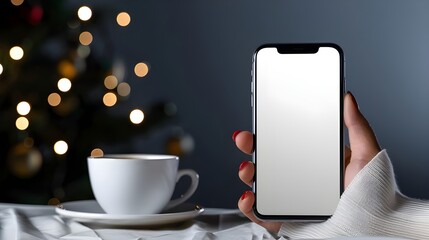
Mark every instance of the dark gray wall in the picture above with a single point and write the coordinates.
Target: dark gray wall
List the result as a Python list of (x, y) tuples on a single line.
[(200, 55)]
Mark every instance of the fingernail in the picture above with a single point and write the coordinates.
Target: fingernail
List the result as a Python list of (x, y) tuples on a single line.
[(244, 195), (243, 165), (353, 99), (235, 135)]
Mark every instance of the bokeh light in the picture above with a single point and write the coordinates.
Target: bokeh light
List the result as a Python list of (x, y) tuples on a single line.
[(83, 51), (84, 13), (53, 201), (141, 69), (16, 53), (67, 69), (109, 99), (17, 2), (97, 152), (73, 24), (23, 108), (85, 38), (24, 161), (64, 84), (1, 69), (124, 89), (36, 14), (60, 147), (123, 19), (110, 82), (22, 123), (136, 116), (28, 142), (54, 99)]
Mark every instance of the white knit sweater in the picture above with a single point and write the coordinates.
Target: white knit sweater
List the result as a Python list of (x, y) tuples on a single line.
[(372, 205)]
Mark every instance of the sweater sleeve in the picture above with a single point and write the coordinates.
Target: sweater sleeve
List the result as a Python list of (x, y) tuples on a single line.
[(372, 205)]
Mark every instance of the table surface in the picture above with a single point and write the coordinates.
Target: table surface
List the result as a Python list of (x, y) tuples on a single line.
[(18, 221), (35, 222)]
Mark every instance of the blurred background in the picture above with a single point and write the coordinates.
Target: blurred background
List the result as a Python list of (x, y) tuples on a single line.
[(80, 78)]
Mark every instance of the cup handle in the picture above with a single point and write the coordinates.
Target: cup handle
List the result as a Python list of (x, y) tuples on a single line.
[(194, 184)]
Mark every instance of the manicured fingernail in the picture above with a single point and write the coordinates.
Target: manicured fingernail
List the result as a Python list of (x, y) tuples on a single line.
[(235, 135), (243, 165), (244, 195)]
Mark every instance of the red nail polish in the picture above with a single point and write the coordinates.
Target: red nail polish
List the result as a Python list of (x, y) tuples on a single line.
[(243, 165), (244, 195), (235, 135)]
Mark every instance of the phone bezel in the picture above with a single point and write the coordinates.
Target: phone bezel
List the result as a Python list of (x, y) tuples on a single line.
[(305, 48)]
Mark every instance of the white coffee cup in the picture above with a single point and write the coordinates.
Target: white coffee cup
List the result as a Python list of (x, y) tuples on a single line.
[(137, 183)]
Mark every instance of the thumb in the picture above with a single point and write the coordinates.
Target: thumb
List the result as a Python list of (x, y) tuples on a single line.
[(363, 143)]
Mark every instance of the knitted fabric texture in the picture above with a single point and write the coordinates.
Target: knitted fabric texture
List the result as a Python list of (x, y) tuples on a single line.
[(372, 205)]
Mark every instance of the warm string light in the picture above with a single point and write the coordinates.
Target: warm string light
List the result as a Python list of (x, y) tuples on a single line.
[(111, 82), (22, 123), (64, 84), (60, 147), (124, 89), (23, 108), (84, 13), (1, 69), (54, 99), (16, 53), (136, 116), (85, 38), (123, 19), (109, 99), (17, 2), (97, 152), (141, 69)]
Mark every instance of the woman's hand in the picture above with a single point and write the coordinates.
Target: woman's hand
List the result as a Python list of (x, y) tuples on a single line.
[(363, 147)]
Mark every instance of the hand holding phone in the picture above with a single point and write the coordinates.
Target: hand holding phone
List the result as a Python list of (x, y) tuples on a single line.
[(363, 147)]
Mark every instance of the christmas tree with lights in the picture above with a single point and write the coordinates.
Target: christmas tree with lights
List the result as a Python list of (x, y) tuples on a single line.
[(59, 102)]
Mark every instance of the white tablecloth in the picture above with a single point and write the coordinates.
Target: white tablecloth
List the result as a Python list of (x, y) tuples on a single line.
[(31, 222), (41, 222)]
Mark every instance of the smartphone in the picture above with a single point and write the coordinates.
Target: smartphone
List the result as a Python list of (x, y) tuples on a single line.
[(297, 101)]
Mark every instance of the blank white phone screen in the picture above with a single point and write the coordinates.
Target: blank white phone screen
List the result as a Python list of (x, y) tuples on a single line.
[(298, 137)]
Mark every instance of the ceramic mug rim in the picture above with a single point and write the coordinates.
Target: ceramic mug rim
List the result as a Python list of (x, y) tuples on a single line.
[(135, 157)]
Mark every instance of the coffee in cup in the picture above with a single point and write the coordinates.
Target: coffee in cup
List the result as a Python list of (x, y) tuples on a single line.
[(137, 183)]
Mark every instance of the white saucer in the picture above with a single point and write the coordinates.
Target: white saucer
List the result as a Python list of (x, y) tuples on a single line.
[(89, 211)]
